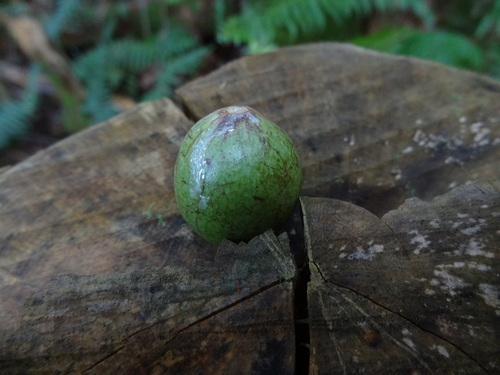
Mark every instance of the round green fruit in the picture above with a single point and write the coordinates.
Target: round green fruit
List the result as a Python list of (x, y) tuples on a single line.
[(237, 175)]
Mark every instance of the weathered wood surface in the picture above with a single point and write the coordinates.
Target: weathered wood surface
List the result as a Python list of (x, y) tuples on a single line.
[(99, 207), (416, 291), (371, 129), (90, 205), (194, 319)]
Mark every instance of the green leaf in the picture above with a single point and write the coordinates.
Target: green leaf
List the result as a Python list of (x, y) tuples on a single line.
[(15, 115), (184, 64), (388, 40), (490, 22), (445, 47), (262, 23), (442, 46), (65, 12), (115, 64), (492, 57)]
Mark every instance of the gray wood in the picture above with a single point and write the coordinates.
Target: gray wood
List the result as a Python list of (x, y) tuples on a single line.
[(80, 220), (196, 319), (371, 128), (415, 290), (101, 201)]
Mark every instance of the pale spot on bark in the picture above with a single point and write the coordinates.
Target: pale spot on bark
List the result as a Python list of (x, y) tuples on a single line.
[(441, 350), (366, 254), (419, 240), (490, 295), (410, 344), (449, 282)]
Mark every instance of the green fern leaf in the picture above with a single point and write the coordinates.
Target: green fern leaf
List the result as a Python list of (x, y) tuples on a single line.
[(444, 47), (15, 116), (490, 22), (134, 55), (13, 122), (65, 12), (492, 57), (219, 15), (263, 21), (175, 42), (387, 40), (185, 64), (114, 65), (99, 75)]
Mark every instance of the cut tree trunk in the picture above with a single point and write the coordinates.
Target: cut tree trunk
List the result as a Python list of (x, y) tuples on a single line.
[(396, 248)]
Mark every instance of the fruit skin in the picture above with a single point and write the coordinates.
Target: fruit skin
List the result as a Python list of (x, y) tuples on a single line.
[(237, 174)]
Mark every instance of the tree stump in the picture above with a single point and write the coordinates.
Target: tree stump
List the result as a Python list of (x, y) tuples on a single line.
[(391, 264)]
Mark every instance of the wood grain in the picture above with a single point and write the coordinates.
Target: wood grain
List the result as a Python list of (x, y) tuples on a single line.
[(371, 128), (194, 319), (99, 202), (416, 290), (100, 273)]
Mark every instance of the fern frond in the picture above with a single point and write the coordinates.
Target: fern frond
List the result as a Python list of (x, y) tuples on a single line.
[(492, 57), (65, 12), (387, 40), (262, 21), (113, 65), (134, 55), (74, 15), (422, 10), (184, 64), (15, 116), (490, 22), (219, 15), (98, 101), (445, 47), (13, 122)]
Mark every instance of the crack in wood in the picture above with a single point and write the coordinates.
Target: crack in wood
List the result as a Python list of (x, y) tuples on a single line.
[(397, 342), (401, 242), (109, 355), (198, 321), (332, 336), (301, 317), (300, 297)]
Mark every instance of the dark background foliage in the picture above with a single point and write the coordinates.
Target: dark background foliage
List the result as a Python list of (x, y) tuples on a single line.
[(68, 64)]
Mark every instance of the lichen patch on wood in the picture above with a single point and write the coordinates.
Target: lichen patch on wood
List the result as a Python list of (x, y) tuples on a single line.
[(435, 282)]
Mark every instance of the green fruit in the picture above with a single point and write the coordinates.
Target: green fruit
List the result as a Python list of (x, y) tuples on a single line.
[(237, 175)]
